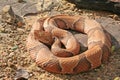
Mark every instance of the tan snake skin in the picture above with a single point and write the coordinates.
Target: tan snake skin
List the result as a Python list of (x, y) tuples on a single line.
[(48, 35)]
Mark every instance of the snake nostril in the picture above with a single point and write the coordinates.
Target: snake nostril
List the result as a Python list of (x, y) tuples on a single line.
[(63, 46)]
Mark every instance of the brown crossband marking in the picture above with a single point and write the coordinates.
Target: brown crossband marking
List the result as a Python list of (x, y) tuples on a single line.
[(60, 23), (79, 22)]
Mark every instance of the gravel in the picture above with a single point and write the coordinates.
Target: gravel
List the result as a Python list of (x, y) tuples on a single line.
[(14, 56)]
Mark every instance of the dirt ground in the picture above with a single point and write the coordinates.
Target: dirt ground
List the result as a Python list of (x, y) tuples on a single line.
[(16, 61)]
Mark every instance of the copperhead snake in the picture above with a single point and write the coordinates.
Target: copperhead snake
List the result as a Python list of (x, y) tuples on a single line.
[(48, 35)]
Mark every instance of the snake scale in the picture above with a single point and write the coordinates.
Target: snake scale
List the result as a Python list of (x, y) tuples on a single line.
[(56, 50)]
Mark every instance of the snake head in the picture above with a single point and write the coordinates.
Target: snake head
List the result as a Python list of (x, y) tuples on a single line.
[(44, 37)]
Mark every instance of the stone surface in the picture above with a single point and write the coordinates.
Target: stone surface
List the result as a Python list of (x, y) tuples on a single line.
[(115, 0), (8, 16), (27, 7), (113, 28), (82, 39), (109, 5), (20, 8)]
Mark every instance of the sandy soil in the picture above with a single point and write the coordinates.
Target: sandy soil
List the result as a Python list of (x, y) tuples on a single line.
[(14, 57)]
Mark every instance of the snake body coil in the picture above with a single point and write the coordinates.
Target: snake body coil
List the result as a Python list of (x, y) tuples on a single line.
[(51, 31)]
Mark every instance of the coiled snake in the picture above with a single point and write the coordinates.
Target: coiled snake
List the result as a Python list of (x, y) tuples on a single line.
[(48, 35)]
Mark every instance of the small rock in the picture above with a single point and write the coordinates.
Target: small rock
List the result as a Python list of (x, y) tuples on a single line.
[(112, 49), (99, 78), (11, 54), (10, 17), (21, 74), (8, 14), (115, 0), (117, 78), (20, 1), (14, 47), (42, 76), (2, 29), (20, 31)]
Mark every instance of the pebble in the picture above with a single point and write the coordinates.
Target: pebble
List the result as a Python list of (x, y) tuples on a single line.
[(20, 1), (14, 47), (11, 54), (20, 31), (42, 76), (117, 78), (2, 29), (21, 74), (99, 78)]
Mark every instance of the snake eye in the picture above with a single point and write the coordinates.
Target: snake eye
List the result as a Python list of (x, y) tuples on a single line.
[(55, 38)]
